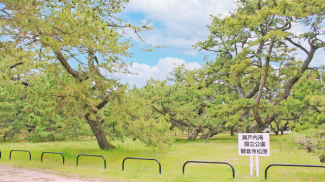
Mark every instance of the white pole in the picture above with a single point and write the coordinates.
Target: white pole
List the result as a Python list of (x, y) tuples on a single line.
[(257, 166), (251, 164)]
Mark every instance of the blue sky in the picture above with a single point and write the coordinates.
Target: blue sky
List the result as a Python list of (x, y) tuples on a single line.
[(151, 58), (178, 24)]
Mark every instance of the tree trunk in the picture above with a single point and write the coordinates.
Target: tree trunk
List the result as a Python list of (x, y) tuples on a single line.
[(275, 130), (232, 131), (194, 134), (322, 158), (285, 127), (99, 132), (261, 129), (247, 129), (9, 134), (208, 134)]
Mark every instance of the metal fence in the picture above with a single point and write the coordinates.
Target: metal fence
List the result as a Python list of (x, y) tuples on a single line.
[(210, 162), (30, 155), (53, 153), (92, 156), (290, 165), (138, 158)]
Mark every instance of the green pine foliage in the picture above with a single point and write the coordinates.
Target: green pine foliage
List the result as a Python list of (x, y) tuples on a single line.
[(55, 58)]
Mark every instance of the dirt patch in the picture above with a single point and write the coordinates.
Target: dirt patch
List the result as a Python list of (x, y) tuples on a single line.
[(15, 174)]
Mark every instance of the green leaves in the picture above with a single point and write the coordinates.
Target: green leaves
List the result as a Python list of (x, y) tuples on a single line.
[(133, 116), (65, 50), (255, 58)]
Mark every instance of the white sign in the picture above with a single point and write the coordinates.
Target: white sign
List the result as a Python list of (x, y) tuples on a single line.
[(254, 144)]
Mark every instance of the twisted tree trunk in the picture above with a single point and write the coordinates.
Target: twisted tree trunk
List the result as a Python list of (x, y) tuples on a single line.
[(98, 130), (194, 134), (208, 134), (94, 122)]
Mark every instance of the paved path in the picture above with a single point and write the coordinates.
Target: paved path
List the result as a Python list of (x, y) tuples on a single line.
[(15, 174)]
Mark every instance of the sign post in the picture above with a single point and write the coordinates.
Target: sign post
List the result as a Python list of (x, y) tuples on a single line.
[(254, 145)]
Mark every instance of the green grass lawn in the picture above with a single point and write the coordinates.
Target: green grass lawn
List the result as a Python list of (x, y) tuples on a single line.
[(220, 148)]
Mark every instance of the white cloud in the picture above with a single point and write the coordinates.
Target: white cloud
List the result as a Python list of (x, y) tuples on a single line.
[(318, 59), (184, 21), (158, 72)]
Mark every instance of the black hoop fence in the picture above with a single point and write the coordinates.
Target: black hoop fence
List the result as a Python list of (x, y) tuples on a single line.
[(138, 158), (290, 165), (210, 162), (30, 155), (91, 155), (53, 153)]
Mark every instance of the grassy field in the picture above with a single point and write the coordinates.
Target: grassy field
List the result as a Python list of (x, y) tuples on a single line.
[(220, 148)]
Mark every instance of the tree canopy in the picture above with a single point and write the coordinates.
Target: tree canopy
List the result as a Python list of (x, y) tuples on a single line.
[(255, 48), (62, 51), (56, 55)]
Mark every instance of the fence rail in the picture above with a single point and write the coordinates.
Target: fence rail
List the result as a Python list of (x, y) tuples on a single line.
[(53, 153), (30, 155), (138, 158), (92, 156), (290, 165), (210, 162)]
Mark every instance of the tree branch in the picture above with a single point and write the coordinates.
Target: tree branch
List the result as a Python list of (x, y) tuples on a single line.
[(104, 101), (314, 107), (297, 45), (230, 86), (77, 75), (267, 64), (27, 84), (240, 90), (253, 92), (17, 64), (294, 80)]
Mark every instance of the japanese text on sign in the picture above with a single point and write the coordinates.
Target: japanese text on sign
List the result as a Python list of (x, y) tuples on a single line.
[(257, 144)]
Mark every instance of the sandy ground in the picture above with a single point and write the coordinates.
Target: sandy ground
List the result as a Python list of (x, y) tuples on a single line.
[(15, 174)]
